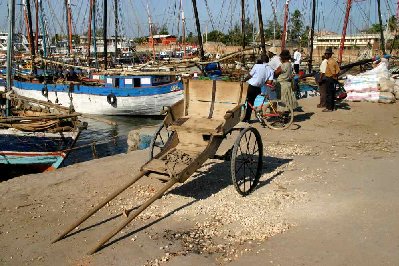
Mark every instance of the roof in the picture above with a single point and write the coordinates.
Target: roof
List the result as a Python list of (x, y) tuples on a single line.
[(162, 36)]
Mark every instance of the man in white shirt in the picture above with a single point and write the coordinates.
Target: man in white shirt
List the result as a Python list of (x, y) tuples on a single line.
[(297, 60), (257, 77)]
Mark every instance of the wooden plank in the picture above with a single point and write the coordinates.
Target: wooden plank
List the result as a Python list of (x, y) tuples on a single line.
[(228, 92)]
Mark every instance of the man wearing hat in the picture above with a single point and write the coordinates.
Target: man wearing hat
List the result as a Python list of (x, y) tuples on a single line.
[(331, 74)]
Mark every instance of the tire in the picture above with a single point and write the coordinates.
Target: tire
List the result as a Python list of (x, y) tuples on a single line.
[(111, 99), (247, 161), (160, 140), (280, 120)]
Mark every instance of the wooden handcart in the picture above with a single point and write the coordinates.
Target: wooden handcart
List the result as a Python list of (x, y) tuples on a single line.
[(197, 124)]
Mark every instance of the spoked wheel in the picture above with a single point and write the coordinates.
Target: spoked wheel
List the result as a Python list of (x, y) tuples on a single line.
[(278, 115), (246, 161), (160, 140)]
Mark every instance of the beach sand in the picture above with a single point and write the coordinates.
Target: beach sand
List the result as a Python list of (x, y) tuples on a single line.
[(327, 196)]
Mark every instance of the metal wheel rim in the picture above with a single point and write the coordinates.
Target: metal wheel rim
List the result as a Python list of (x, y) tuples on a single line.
[(159, 140), (246, 163)]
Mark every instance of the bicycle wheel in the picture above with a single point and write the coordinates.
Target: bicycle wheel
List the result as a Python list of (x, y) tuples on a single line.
[(278, 115)]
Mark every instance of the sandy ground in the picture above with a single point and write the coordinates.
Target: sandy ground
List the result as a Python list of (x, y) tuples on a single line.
[(327, 196)]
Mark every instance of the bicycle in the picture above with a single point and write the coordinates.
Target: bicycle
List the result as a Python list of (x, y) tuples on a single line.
[(274, 113)]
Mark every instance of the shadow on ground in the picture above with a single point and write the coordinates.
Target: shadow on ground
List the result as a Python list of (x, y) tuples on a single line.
[(205, 183)]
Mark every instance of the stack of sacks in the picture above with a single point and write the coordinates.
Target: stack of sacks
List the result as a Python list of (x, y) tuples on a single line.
[(396, 89), (371, 86)]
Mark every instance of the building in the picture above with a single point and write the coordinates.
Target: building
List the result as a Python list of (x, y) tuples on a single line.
[(362, 40), (162, 40)]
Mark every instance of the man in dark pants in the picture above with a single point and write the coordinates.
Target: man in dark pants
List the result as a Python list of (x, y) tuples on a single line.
[(256, 78), (331, 74)]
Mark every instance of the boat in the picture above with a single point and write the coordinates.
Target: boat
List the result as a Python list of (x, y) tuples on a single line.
[(36, 135), (133, 95)]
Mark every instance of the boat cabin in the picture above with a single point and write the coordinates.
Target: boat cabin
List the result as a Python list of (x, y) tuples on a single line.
[(129, 82)]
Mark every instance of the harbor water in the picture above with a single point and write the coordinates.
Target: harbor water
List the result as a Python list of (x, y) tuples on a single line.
[(100, 139)]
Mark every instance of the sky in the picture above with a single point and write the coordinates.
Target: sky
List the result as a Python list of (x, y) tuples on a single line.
[(214, 14)]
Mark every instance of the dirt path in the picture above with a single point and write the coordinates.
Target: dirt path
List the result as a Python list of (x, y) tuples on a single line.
[(327, 196)]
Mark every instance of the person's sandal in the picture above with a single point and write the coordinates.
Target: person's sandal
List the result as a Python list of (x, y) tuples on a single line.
[(327, 110)]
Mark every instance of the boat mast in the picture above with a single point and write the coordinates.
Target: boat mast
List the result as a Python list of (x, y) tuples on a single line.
[(95, 34), (89, 32), (105, 20), (10, 45), (262, 33), (43, 29), (69, 25), (116, 27), (342, 44), (37, 25), (30, 28), (310, 63), (243, 23), (284, 35), (27, 25), (381, 29), (183, 19), (151, 35), (200, 48)]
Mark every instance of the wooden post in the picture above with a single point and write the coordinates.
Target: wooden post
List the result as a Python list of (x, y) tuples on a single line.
[(382, 41), (310, 63), (197, 23), (261, 31)]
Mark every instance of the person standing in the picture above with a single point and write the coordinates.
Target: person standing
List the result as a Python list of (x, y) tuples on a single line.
[(275, 61), (332, 71), (322, 82), (297, 60), (256, 78), (283, 84)]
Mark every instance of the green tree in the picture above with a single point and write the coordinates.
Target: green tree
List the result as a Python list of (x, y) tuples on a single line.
[(305, 36), (163, 30), (296, 25), (216, 36), (269, 30), (392, 23), (375, 28)]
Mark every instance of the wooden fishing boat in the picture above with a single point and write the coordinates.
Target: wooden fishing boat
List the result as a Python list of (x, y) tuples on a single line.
[(34, 134), (107, 94)]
